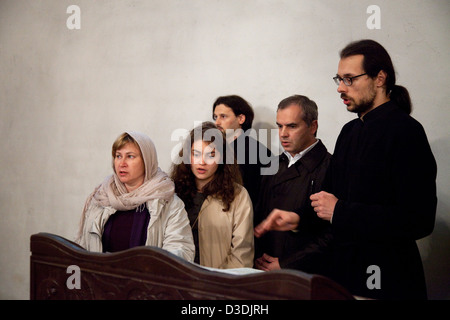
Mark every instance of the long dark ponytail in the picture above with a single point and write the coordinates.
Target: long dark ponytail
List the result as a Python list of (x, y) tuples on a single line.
[(376, 58)]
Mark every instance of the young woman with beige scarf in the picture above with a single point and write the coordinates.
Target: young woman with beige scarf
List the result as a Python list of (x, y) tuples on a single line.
[(136, 205)]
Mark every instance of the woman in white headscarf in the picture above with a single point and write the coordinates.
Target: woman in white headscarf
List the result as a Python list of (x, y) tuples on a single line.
[(136, 205)]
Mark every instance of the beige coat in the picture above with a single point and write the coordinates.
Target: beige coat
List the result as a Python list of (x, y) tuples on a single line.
[(168, 228), (226, 238)]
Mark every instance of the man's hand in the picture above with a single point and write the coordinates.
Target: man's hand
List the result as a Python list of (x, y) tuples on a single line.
[(267, 263), (323, 204), (278, 220)]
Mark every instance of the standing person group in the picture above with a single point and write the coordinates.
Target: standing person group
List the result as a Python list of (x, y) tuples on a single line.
[(380, 191), (345, 215)]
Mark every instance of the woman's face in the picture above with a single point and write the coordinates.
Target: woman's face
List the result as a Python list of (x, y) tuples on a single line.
[(129, 166), (204, 162)]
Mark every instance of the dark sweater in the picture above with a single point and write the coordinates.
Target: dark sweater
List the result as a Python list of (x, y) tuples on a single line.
[(126, 229)]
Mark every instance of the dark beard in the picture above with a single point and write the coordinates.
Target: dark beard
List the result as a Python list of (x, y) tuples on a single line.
[(364, 106)]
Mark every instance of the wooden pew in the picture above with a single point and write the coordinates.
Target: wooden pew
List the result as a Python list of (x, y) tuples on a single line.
[(152, 273)]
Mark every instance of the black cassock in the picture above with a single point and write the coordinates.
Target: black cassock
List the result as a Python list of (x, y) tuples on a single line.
[(384, 174)]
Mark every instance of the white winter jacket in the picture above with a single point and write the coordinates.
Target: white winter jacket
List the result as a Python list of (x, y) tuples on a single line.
[(168, 228)]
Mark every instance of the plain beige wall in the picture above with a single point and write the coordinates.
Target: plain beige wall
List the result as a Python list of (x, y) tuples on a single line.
[(158, 65)]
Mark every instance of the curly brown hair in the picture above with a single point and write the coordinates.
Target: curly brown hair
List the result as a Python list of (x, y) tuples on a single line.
[(222, 186)]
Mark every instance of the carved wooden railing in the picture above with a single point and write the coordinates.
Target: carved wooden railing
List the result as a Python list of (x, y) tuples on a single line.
[(153, 273)]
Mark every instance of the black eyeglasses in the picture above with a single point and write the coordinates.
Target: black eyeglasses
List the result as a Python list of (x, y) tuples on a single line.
[(347, 80)]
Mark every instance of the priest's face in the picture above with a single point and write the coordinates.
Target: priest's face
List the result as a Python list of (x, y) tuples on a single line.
[(359, 97)]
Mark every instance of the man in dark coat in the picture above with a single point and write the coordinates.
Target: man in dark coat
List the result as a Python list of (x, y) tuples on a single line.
[(234, 116), (380, 189), (301, 171)]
